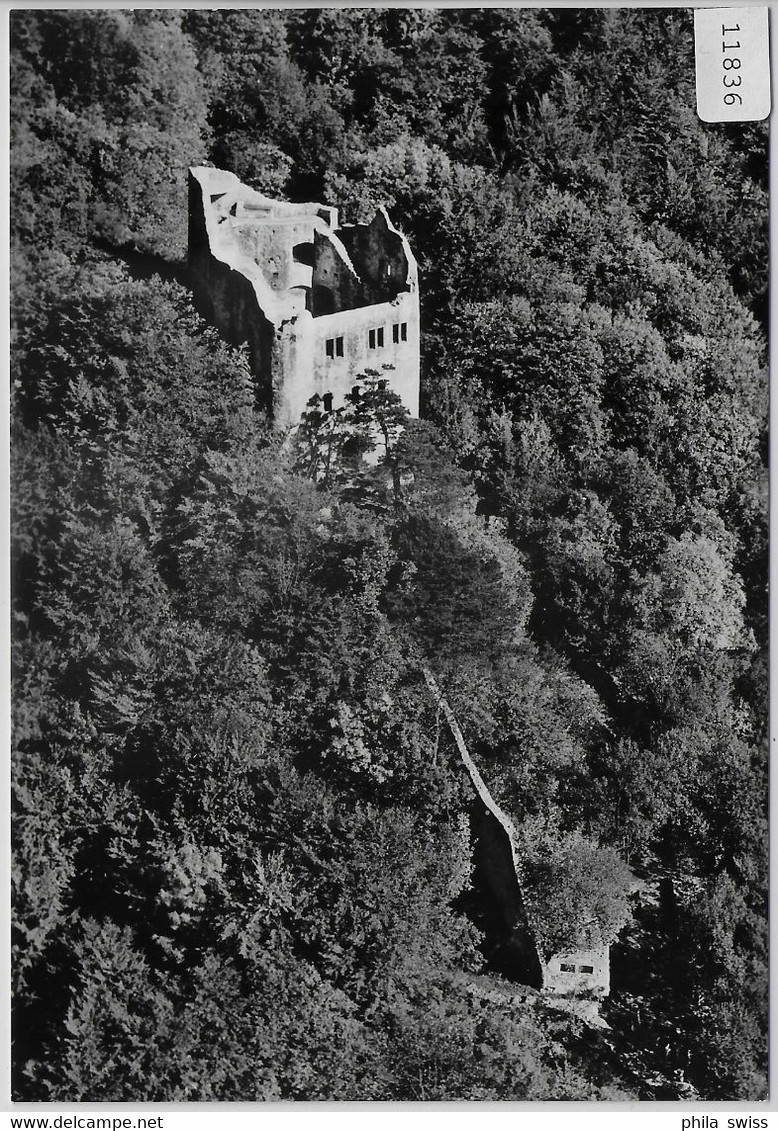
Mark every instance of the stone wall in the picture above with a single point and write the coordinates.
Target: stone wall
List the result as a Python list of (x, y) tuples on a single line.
[(301, 350), (227, 299)]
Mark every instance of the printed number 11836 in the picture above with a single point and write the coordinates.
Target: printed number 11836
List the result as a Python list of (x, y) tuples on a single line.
[(731, 63)]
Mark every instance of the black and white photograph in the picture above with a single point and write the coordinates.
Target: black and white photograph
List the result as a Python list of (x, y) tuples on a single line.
[(389, 555)]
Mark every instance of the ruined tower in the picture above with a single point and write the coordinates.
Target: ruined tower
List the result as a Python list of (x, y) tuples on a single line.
[(316, 303)]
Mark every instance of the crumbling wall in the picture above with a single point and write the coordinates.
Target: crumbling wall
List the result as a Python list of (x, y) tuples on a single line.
[(227, 299), (380, 255), (336, 284), (273, 244)]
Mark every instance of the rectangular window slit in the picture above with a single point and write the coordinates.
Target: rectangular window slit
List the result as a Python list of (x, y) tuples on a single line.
[(404, 331), (396, 332), (567, 967), (381, 337), (371, 339), (330, 347), (339, 347), (327, 399), (587, 969)]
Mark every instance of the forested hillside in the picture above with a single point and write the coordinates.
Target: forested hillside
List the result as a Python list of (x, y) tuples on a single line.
[(242, 852)]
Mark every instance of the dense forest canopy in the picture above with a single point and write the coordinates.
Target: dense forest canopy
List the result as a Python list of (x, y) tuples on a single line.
[(242, 854)]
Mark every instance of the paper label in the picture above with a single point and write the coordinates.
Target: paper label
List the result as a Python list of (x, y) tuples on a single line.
[(732, 57)]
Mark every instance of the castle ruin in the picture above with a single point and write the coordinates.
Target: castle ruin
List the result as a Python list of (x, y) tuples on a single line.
[(317, 304)]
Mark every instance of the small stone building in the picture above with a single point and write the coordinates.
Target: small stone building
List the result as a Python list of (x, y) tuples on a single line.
[(580, 972), (317, 304)]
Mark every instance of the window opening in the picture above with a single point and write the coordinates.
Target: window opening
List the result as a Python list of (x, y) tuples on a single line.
[(330, 347), (371, 339), (404, 331), (303, 253), (327, 400), (396, 332), (339, 347), (567, 967), (587, 969), (381, 337)]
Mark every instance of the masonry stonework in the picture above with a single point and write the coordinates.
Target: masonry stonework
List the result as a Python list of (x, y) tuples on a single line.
[(317, 304)]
